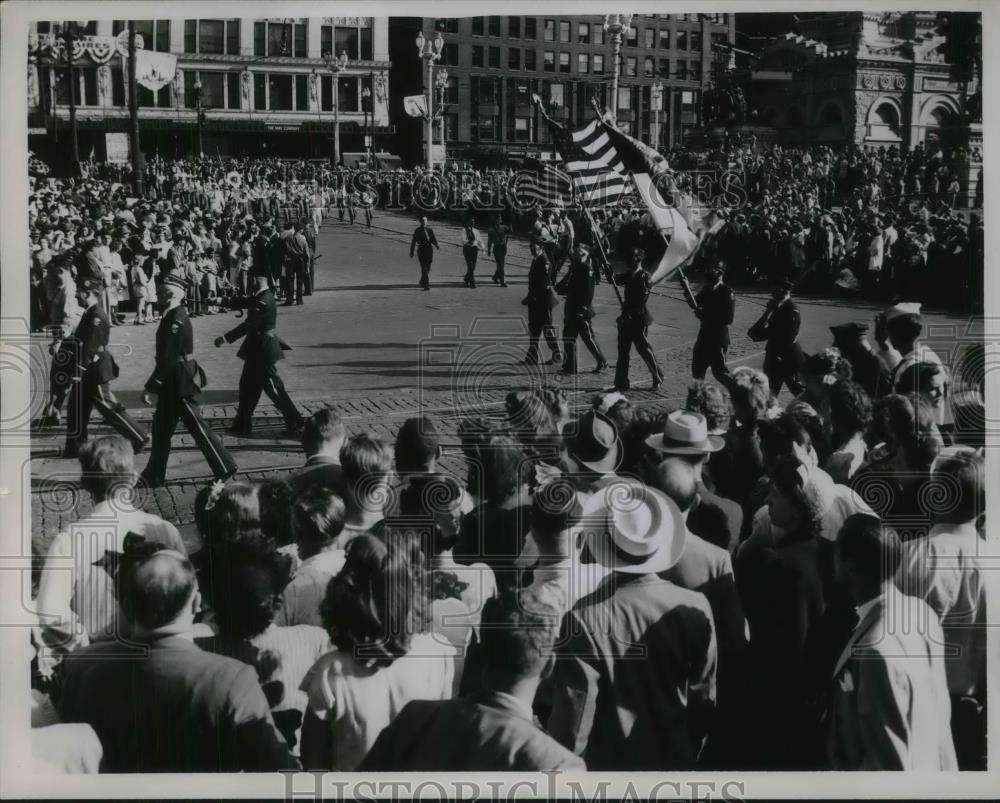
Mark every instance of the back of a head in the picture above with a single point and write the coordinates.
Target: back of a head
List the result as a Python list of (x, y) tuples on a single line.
[(677, 477), (872, 550), (155, 590), (962, 493), (917, 378), (323, 427), (275, 498), (750, 393), (364, 456), (417, 444), (850, 407), (780, 435), (503, 467), (317, 518), (235, 511), (106, 465), (712, 402), (519, 630)]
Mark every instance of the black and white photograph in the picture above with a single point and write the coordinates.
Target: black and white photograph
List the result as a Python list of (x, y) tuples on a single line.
[(543, 396)]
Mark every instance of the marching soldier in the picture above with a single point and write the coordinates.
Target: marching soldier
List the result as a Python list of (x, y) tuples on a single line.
[(715, 307), (296, 262), (175, 382), (92, 370), (260, 351), (496, 245), (424, 242), (633, 324), (541, 300), (578, 287), (779, 326)]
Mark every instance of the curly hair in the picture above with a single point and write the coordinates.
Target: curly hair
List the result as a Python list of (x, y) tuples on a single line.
[(379, 600), (533, 419), (243, 579), (907, 423), (711, 401), (750, 393), (828, 362), (850, 408), (235, 512), (276, 499), (788, 477)]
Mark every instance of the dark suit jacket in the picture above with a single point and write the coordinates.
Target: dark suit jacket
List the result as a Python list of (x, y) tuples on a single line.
[(318, 471), (174, 373), (485, 733), (423, 241), (718, 306), (637, 288), (635, 675), (261, 343), (91, 338), (177, 709), (783, 332), (716, 519), (578, 285)]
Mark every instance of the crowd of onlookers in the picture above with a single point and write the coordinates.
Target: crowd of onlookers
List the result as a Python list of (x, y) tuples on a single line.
[(734, 584)]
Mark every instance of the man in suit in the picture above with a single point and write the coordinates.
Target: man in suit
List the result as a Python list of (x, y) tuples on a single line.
[(175, 382), (424, 242), (779, 326), (540, 301), (196, 711), (492, 730), (890, 708), (91, 371), (323, 435), (578, 287), (616, 710), (496, 245), (296, 257), (309, 278), (260, 351), (633, 323), (715, 306)]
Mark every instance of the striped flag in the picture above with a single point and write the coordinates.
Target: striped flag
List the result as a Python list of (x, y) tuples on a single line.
[(542, 183), (591, 161)]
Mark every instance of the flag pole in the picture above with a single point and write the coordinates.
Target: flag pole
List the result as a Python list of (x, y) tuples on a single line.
[(609, 275)]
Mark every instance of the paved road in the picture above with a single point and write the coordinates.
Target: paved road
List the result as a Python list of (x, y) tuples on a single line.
[(372, 342)]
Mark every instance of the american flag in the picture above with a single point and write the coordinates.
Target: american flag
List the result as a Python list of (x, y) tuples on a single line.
[(593, 163), (543, 183)]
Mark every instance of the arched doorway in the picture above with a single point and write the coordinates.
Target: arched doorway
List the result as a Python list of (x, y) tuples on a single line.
[(884, 121), (939, 120)]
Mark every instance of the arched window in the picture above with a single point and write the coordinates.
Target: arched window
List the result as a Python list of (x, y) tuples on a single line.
[(941, 117), (886, 114)]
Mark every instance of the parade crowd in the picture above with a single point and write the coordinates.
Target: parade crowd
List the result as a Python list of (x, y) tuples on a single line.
[(740, 583)]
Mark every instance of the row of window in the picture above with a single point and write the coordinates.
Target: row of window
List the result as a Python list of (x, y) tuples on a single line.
[(222, 37), (586, 33), (586, 63), (220, 90)]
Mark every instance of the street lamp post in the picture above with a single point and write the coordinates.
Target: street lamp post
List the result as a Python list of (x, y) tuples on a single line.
[(656, 101), (616, 25), (199, 119), (336, 65), (441, 82), (430, 52), (71, 32), (366, 99)]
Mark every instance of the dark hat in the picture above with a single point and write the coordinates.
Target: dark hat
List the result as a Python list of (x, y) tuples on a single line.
[(556, 505), (593, 441), (848, 331), (93, 283)]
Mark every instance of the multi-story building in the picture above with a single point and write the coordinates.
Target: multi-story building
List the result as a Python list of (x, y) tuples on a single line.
[(265, 86), (495, 64)]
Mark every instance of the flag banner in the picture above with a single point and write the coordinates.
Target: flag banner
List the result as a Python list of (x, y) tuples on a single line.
[(415, 105), (154, 70), (542, 183)]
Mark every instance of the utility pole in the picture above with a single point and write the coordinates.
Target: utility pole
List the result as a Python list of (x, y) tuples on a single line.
[(133, 115)]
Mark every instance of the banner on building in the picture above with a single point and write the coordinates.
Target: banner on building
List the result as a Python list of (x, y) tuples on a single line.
[(415, 105), (154, 70), (117, 147)]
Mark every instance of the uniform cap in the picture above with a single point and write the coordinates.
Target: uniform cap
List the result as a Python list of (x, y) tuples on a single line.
[(848, 331)]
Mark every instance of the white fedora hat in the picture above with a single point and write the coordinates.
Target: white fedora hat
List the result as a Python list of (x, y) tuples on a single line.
[(685, 433), (631, 528)]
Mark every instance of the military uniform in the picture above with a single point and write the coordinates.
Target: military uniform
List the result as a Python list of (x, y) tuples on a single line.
[(92, 369), (296, 263), (783, 357), (716, 308), (176, 380), (260, 351), (540, 301), (578, 285), (310, 276), (633, 326), (497, 246), (424, 242)]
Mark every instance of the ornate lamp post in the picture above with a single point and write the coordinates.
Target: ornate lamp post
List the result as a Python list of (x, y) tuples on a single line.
[(441, 82), (380, 85), (366, 99), (656, 101), (616, 25), (430, 52), (200, 118), (336, 65), (71, 31)]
